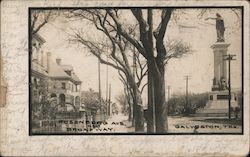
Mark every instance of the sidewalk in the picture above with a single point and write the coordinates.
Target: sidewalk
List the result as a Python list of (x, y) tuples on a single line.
[(115, 124)]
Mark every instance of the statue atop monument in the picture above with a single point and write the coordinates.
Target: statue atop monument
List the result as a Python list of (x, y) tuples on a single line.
[(220, 28)]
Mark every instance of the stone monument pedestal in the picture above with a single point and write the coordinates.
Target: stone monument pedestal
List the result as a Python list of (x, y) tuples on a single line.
[(218, 100), (220, 67), (217, 105)]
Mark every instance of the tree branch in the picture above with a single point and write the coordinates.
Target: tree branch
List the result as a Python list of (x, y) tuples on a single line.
[(159, 33), (144, 28), (143, 87), (121, 31), (45, 21), (96, 51)]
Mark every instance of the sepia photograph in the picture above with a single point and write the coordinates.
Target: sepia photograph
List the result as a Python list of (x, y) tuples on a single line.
[(135, 70)]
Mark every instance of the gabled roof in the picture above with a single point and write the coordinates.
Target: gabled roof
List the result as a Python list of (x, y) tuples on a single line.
[(56, 71), (67, 67)]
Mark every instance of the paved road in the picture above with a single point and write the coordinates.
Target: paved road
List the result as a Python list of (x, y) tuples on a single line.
[(187, 125), (119, 124)]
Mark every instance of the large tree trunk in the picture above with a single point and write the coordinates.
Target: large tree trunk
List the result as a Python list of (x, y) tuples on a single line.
[(138, 112), (150, 52), (130, 112), (159, 74), (128, 99), (156, 97), (150, 112), (160, 98), (137, 106)]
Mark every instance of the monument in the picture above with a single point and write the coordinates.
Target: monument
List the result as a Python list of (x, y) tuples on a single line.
[(218, 100)]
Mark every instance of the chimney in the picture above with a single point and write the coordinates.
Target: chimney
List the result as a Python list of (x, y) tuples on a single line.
[(48, 61), (58, 61)]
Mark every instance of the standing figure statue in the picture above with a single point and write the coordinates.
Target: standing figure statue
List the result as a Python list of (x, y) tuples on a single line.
[(220, 28), (223, 83)]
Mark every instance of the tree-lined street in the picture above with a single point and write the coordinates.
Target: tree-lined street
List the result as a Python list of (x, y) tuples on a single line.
[(137, 46)]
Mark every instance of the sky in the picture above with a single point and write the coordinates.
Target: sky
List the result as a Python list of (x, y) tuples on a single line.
[(185, 25)]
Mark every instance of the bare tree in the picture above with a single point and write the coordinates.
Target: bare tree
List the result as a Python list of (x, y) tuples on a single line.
[(109, 22), (156, 59), (139, 73), (176, 49), (116, 49), (39, 18)]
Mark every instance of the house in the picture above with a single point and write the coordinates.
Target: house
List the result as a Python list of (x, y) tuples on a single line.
[(39, 70), (64, 85), (51, 81)]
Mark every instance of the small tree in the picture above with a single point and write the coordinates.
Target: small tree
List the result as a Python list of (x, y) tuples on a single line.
[(122, 100), (90, 99)]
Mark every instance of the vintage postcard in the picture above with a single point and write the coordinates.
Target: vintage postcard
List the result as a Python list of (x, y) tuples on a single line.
[(116, 71), (135, 70)]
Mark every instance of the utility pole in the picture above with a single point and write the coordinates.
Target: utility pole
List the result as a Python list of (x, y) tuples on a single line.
[(134, 69), (99, 80), (168, 93), (99, 86), (109, 101), (229, 58), (107, 90), (186, 106), (153, 104)]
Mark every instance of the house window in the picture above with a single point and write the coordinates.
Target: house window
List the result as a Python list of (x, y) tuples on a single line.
[(77, 101), (222, 97), (63, 85), (211, 97), (35, 83), (62, 100)]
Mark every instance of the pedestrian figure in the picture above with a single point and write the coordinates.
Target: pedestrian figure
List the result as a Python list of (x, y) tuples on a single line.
[(196, 127)]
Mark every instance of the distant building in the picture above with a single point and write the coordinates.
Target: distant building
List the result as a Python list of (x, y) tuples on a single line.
[(53, 81)]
